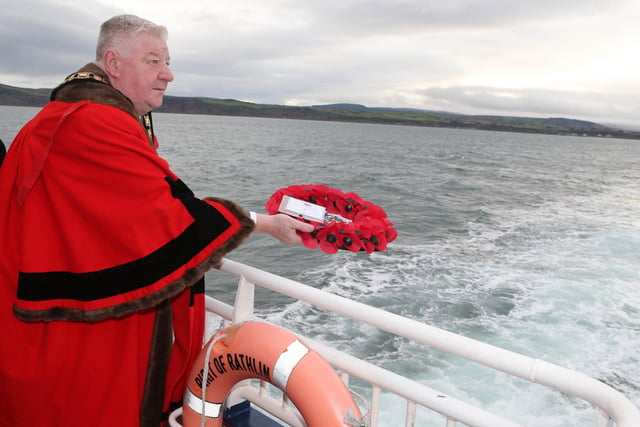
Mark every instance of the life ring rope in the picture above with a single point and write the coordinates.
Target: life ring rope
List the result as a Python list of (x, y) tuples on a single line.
[(202, 407), (207, 409)]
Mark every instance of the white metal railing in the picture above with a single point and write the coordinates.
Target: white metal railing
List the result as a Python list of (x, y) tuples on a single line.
[(613, 406)]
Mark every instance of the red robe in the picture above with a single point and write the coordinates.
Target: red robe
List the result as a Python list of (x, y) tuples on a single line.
[(102, 251)]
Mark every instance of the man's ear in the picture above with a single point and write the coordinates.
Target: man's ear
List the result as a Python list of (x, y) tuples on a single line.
[(111, 61)]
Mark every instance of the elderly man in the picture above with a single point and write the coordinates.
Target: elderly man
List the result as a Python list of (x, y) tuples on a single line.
[(104, 249)]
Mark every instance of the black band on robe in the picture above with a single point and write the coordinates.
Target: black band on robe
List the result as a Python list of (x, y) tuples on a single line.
[(95, 285)]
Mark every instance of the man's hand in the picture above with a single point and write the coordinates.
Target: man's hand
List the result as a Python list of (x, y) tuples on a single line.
[(282, 227)]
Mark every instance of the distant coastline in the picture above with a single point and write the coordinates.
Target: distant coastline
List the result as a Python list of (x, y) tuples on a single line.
[(15, 96)]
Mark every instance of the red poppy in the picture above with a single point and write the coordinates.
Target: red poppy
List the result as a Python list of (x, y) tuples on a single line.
[(347, 237), (309, 239)]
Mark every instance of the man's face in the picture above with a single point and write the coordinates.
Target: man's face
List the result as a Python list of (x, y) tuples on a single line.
[(144, 72)]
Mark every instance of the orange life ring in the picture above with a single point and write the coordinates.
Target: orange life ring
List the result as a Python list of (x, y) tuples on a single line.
[(263, 351)]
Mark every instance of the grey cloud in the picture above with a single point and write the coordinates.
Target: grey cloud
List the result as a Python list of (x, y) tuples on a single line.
[(374, 52), (41, 39), (538, 102), (410, 16)]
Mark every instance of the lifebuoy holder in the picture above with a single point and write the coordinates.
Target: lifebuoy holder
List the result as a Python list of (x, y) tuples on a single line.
[(259, 350)]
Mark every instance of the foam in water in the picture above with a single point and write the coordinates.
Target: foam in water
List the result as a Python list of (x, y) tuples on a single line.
[(553, 283)]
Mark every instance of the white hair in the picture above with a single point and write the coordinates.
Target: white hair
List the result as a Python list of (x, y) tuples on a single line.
[(125, 27)]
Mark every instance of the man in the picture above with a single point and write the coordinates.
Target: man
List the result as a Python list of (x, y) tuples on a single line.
[(104, 248)]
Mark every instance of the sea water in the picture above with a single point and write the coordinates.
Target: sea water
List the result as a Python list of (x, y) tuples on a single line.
[(528, 242)]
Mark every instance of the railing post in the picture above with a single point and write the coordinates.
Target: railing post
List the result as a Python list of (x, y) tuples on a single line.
[(245, 296), (375, 405), (410, 418), (604, 420)]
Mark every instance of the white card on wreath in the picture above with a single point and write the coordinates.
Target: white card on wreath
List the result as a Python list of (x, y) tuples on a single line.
[(302, 209)]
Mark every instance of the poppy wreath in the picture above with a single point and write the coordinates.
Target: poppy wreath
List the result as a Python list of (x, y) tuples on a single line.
[(369, 229)]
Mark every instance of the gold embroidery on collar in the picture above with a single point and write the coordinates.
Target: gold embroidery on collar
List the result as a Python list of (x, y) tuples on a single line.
[(85, 75), (147, 125)]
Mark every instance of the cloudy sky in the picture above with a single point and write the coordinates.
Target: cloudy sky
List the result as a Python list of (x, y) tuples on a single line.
[(541, 58)]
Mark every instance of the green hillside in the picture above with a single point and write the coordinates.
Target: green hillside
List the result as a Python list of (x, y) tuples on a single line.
[(15, 96)]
